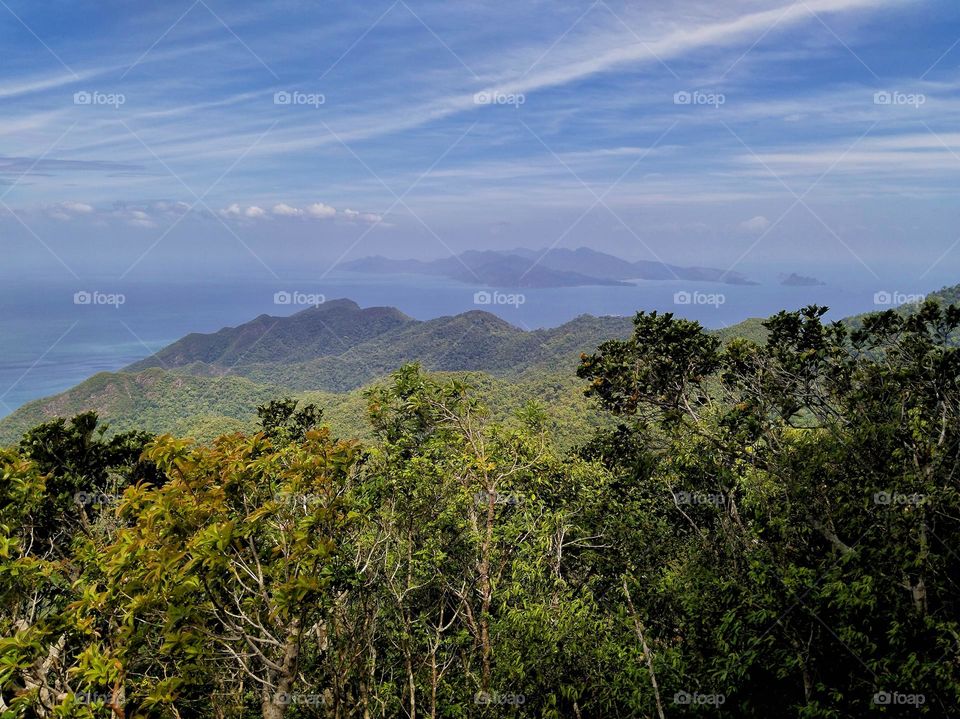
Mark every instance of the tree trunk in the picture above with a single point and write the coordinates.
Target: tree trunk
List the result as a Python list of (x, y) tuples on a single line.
[(275, 701), (638, 627), (486, 589), (411, 686)]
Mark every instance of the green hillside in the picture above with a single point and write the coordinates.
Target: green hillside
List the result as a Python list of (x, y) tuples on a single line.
[(946, 296), (205, 407), (154, 399), (328, 329), (338, 346), (206, 384)]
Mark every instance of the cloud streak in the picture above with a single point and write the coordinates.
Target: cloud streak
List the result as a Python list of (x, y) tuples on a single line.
[(400, 115)]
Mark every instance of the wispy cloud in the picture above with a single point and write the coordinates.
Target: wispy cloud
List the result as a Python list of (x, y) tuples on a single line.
[(275, 108)]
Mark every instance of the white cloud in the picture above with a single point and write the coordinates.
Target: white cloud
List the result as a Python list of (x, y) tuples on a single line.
[(175, 208), (755, 225), (317, 211), (321, 211), (600, 52), (139, 218), (232, 210), (79, 208), (584, 52), (153, 213), (355, 216), (69, 210), (596, 57), (285, 210), (31, 85), (136, 216), (235, 211)]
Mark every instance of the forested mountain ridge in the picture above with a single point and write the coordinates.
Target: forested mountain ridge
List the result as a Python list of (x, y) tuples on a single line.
[(380, 337), (208, 380), (205, 383), (160, 402), (327, 329)]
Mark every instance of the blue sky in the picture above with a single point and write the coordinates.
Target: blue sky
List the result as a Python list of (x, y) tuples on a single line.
[(818, 135)]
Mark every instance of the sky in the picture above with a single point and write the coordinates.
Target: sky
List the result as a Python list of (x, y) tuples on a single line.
[(263, 139)]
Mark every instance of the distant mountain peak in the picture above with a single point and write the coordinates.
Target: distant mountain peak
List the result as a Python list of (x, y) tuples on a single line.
[(338, 303), (328, 328)]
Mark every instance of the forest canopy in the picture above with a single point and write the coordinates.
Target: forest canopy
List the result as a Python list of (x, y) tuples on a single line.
[(762, 528)]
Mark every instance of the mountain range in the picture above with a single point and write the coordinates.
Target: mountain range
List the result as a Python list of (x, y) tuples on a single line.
[(555, 267), (204, 385), (338, 346)]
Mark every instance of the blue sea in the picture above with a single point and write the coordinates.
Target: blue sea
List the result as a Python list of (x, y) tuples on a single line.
[(56, 334)]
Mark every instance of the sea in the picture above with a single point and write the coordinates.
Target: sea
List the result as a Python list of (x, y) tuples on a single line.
[(55, 334)]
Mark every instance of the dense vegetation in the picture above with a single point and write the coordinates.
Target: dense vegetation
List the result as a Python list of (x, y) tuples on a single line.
[(758, 529), (205, 408), (337, 345), (205, 385)]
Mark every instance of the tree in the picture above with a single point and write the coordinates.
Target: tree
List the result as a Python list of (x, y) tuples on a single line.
[(232, 560), (467, 555), (282, 422), (810, 498), (57, 488)]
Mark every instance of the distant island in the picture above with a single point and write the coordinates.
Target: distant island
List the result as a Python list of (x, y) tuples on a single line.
[(795, 280), (526, 268)]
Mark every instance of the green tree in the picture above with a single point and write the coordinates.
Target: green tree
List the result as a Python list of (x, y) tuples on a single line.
[(806, 500), (224, 578), (282, 422), (57, 490)]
